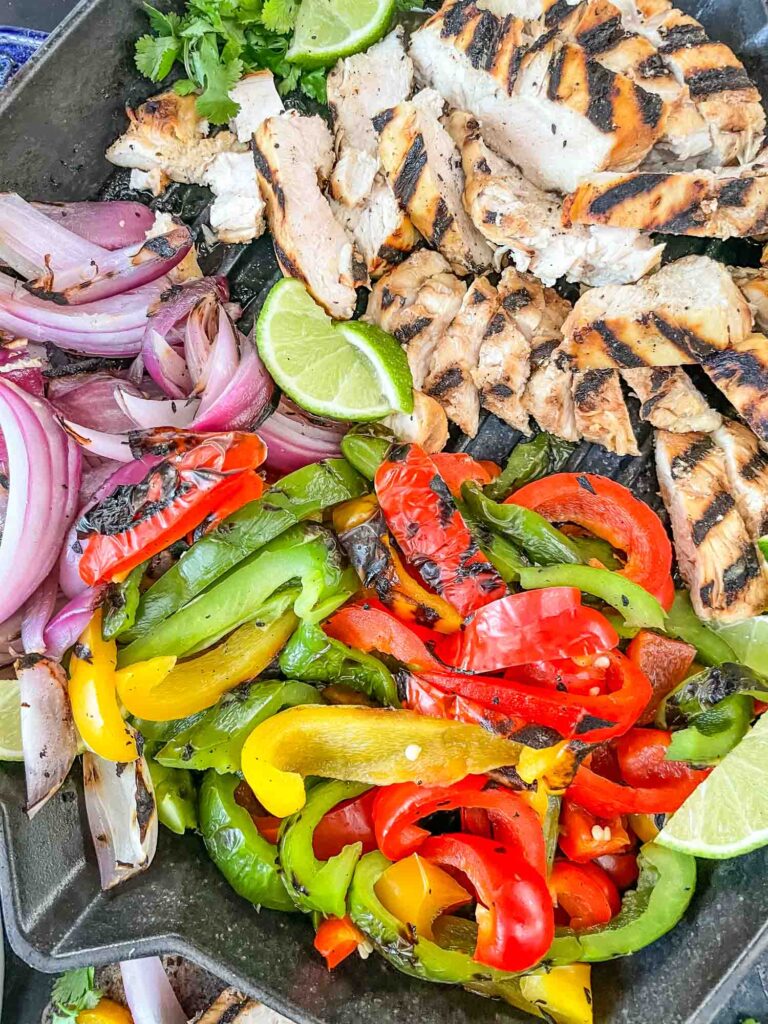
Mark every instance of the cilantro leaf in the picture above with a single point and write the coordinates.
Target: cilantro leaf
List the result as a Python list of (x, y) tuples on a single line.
[(312, 84), (280, 15), (163, 24), (214, 104), (184, 87), (155, 55), (72, 992)]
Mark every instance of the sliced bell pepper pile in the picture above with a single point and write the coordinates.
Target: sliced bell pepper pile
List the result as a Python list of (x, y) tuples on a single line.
[(422, 514), (612, 512)]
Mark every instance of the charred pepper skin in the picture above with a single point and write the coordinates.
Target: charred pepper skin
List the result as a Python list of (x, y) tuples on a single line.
[(295, 498), (248, 862)]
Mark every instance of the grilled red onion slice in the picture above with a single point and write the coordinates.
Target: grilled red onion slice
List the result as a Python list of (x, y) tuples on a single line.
[(67, 625), (112, 344), (112, 225), (164, 365), (146, 413), (48, 736), (92, 399), (244, 398), (295, 439), (200, 332), (114, 272), (10, 639), (148, 992), (44, 469), (99, 442), (22, 367), (122, 815), (32, 243), (37, 612)]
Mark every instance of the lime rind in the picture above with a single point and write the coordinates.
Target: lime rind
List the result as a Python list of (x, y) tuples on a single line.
[(727, 815), (327, 30), (388, 357)]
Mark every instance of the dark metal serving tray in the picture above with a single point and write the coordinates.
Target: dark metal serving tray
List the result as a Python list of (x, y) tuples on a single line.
[(55, 123)]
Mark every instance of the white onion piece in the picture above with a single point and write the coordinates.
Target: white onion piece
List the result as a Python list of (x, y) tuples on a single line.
[(48, 736), (122, 815), (99, 442), (148, 992), (30, 242), (112, 224), (37, 612), (146, 413)]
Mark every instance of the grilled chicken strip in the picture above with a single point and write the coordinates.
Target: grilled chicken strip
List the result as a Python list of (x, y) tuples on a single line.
[(747, 469), (669, 399), (723, 204), (426, 426), (548, 108), (524, 220), (716, 556), (233, 1008), (258, 99), (741, 373), (423, 167), (601, 412), (450, 379), (683, 314), (753, 284), (293, 155), (416, 302), (503, 362)]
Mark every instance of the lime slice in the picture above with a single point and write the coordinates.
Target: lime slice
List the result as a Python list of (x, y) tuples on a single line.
[(728, 814), (328, 29), (348, 371), (10, 721)]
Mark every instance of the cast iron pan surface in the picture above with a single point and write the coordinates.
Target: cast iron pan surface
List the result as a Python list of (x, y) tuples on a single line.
[(56, 120)]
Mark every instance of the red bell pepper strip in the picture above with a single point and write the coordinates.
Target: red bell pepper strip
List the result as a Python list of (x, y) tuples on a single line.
[(609, 799), (585, 892), (431, 532), (430, 700), (621, 868), (370, 629), (588, 718), (336, 939), (519, 628), (608, 510), (562, 674), (397, 809), (348, 822), (251, 487), (583, 836), (514, 914), (456, 468), (642, 759), (665, 661)]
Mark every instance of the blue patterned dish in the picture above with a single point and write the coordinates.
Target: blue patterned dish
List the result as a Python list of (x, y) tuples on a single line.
[(17, 45)]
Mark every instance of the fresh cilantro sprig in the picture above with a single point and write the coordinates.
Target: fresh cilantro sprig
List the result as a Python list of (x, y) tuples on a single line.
[(73, 992), (217, 42)]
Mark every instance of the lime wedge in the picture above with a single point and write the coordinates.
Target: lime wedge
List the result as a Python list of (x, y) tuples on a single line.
[(10, 721), (728, 814), (347, 370), (328, 29)]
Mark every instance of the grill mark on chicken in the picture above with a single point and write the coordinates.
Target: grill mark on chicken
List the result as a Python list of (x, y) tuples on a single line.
[(747, 469), (741, 374), (290, 267), (600, 86), (629, 188), (736, 577), (622, 353), (409, 331), (391, 256), (687, 460), (715, 512), (516, 299), (380, 121), (755, 467), (679, 36), (601, 412), (542, 42), (262, 166), (555, 73), (670, 401), (447, 381), (457, 16), (686, 340), (557, 12), (601, 37), (589, 384), (407, 179), (442, 221), (735, 192), (653, 67), (714, 80), (484, 44)]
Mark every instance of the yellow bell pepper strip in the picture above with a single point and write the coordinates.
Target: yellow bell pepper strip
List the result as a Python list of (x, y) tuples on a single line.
[(358, 744), (196, 684), (564, 992), (92, 694), (107, 1012), (416, 891)]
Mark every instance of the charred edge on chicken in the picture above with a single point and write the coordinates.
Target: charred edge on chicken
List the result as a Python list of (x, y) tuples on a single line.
[(289, 266), (602, 37), (407, 180), (717, 509), (407, 332), (262, 166), (712, 80), (736, 578), (620, 352)]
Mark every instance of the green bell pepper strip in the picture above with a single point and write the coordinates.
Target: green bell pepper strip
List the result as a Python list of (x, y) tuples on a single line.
[(542, 455), (706, 690), (638, 607), (248, 862), (296, 497), (683, 623), (121, 604), (499, 551), (175, 795), (316, 885), (306, 552), (541, 541), (551, 827), (312, 656), (713, 733), (597, 548), (664, 890), (215, 739), (763, 545), (415, 955), (366, 446)]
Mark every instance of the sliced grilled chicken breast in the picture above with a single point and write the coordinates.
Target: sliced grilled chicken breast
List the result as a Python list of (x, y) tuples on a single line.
[(503, 367), (423, 168), (723, 204), (168, 141), (456, 355), (258, 99), (601, 412), (383, 234), (237, 213), (747, 468), (544, 105), (741, 373), (293, 156), (426, 426), (234, 1008), (715, 553), (670, 400), (416, 302), (753, 284), (524, 220), (683, 314)]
